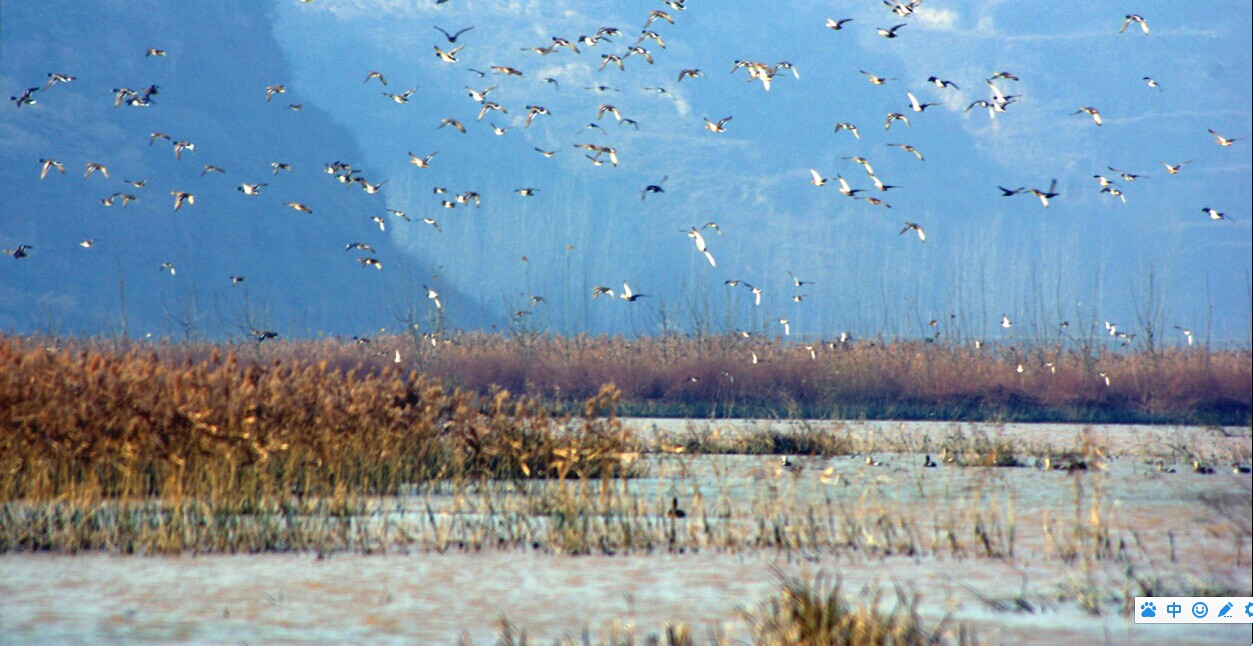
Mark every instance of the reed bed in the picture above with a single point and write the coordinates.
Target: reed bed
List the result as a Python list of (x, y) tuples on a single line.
[(86, 424), (688, 376), (158, 448)]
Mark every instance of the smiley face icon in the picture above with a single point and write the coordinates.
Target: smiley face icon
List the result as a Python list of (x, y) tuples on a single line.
[(1199, 610)]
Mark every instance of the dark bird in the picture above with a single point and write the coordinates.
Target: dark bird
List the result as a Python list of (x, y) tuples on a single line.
[(24, 98), (654, 188), (20, 252), (452, 38)]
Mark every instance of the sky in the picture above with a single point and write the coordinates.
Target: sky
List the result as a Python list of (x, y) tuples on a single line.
[(1155, 260)]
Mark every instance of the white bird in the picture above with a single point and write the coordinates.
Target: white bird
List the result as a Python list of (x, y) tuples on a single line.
[(818, 180), (182, 196), (422, 162), (48, 164), (915, 105), (1136, 18), (628, 295), (1222, 141), (433, 295), (922, 235), (696, 237), (1005, 322), (448, 57), (1175, 168), (1096, 115), (1215, 214), (1116, 192), (756, 293), (401, 98), (717, 127), (844, 187), (1046, 195)]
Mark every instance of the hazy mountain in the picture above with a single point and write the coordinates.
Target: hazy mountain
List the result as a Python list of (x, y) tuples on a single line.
[(220, 58)]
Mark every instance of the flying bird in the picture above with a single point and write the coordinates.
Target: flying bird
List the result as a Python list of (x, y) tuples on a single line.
[(895, 116), (422, 162), (55, 77), (24, 98), (1045, 196), (876, 80), (653, 188), (453, 123), (915, 105), (452, 38), (922, 235), (448, 57), (717, 127), (630, 296), (836, 25), (1221, 140), (20, 252), (401, 98), (434, 296), (889, 32), (797, 281), (48, 164), (1136, 18), (909, 148), (696, 237), (182, 196), (1096, 115), (849, 127)]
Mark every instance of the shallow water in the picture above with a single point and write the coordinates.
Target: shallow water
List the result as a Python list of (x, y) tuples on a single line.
[(1165, 528), (434, 598)]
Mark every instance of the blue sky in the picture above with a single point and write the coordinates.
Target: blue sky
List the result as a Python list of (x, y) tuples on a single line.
[(1086, 258)]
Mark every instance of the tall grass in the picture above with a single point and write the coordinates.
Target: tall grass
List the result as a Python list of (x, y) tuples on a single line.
[(81, 423), (715, 376)]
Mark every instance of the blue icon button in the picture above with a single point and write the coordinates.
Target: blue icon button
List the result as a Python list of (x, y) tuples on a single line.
[(1248, 609), (1149, 609), (1199, 610), (1226, 610), (1174, 609)]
